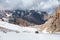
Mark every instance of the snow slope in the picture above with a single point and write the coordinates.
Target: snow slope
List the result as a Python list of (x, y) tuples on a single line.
[(28, 36), (16, 27), (25, 35)]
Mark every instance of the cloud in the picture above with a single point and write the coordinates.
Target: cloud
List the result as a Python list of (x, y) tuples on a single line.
[(28, 4)]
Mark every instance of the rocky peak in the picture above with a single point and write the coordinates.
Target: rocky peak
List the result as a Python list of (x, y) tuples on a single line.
[(53, 24)]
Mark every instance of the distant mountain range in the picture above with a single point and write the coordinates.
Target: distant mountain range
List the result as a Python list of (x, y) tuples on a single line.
[(24, 17)]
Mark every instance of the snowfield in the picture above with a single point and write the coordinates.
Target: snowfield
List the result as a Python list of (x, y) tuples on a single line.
[(26, 33), (16, 27), (28, 36)]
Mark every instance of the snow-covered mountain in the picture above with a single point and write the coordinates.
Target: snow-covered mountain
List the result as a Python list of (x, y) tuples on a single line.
[(29, 17)]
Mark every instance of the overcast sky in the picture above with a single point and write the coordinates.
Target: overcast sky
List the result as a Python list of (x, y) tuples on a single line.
[(28, 4)]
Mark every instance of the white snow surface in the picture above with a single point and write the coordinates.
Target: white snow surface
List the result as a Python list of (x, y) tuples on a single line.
[(28, 36), (16, 27)]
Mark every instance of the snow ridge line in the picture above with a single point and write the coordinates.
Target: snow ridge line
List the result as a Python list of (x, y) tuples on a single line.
[(16, 27)]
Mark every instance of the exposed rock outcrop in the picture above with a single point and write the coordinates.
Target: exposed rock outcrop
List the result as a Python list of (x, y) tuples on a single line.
[(53, 24), (22, 22)]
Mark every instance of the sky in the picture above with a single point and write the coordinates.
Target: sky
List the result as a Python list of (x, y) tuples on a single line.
[(28, 4)]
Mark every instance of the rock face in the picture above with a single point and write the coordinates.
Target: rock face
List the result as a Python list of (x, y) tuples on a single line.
[(22, 22), (56, 20), (53, 24)]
